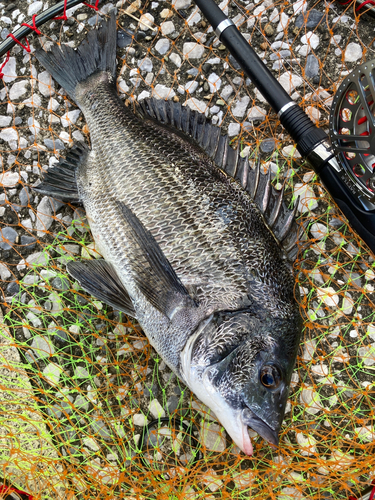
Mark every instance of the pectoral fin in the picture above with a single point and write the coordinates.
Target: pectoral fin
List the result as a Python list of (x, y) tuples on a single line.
[(153, 273), (99, 279)]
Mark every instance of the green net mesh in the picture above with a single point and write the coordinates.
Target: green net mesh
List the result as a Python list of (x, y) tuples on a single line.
[(79, 382)]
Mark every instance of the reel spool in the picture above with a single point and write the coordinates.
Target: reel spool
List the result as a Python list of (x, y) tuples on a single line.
[(352, 131)]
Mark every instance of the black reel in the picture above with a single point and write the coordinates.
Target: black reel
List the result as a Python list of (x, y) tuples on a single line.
[(352, 131)]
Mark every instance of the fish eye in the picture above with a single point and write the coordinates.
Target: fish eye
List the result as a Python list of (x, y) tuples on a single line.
[(270, 376)]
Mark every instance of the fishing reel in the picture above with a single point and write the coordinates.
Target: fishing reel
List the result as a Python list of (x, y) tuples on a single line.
[(352, 132)]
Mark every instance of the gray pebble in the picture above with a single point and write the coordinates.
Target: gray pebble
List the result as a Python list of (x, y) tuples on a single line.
[(10, 6), (12, 288), (172, 403), (25, 196), (7, 233), (54, 411), (151, 391), (123, 39), (268, 145), (94, 20), (81, 402), (353, 278), (42, 347), (4, 33), (100, 428), (61, 284), (313, 19), (29, 241), (177, 390), (312, 66), (56, 144), (280, 55), (44, 218), (56, 204)]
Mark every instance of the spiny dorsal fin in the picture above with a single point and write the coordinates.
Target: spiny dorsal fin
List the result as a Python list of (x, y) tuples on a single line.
[(279, 218)]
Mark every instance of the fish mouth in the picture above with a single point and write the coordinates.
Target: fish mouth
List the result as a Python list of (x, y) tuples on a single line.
[(260, 426)]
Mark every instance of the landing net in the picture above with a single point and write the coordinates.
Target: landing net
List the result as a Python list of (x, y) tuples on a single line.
[(79, 382)]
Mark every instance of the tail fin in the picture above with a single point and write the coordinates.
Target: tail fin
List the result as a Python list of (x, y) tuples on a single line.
[(96, 53)]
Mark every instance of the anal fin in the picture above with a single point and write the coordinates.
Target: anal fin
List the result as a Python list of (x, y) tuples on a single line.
[(99, 278), (60, 180)]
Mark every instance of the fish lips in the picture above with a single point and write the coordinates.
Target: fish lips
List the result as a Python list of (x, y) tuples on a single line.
[(262, 428)]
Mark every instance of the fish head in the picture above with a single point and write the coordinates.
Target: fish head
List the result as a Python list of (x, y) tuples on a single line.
[(241, 370)]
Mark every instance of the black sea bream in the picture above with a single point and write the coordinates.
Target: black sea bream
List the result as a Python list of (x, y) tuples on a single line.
[(196, 245)]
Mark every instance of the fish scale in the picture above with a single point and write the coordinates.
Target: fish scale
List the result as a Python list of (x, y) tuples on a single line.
[(187, 248)]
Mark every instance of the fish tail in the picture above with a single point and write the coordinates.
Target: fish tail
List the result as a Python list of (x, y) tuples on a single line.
[(97, 53)]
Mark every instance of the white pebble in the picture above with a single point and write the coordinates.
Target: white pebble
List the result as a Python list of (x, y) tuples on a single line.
[(52, 373), (307, 196), (328, 296), (310, 39), (140, 419), (4, 271), (146, 21), (18, 89), (9, 70), (318, 230), (234, 129), (347, 304), (33, 101), (309, 350), (163, 92), (311, 400), (34, 8), (156, 409), (194, 18), (304, 50), (176, 59), (192, 50), (165, 13), (290, 81), (212, 436), (5, 120), (9, 134), (162, 46), (214, 81), (70, 117), (313, 113), (34, 125), (256, 113), (283, 24), (197, 105), (367, 353), (167, 28), (191, 86), (46, 84), (240, 107), (143, 95), (181, 4), (353, 52), (53, 104), (306, 443)]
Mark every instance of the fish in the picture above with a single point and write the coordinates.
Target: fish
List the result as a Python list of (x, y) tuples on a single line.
[(197, 245)]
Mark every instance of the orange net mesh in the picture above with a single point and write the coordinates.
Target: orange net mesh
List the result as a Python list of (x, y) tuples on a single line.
[(79, 383)]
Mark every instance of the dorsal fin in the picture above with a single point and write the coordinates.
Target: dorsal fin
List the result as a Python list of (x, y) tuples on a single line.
[(279, 218)]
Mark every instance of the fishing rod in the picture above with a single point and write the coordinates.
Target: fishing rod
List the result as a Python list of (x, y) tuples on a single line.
[(345, 161)]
